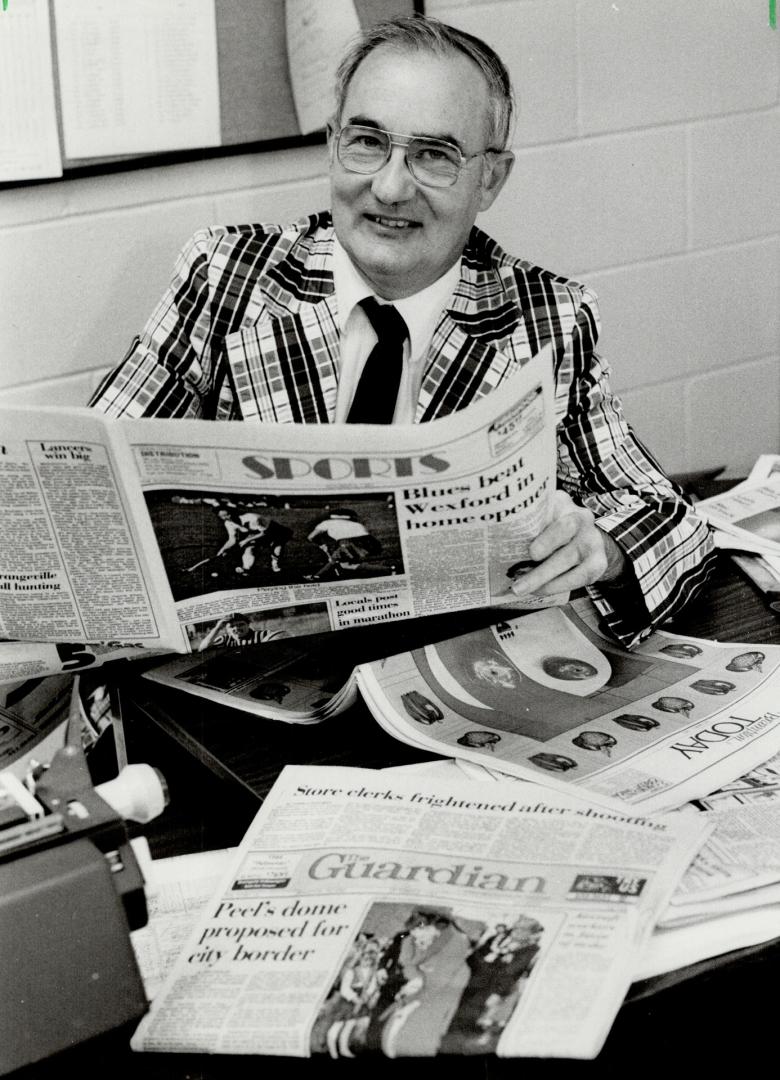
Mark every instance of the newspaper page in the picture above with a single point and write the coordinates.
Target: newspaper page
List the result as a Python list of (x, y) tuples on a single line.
[(176, 889), (233, 533), (547, 697), (747, 519), (32, 659), (742, 856), (411, 916), (74, 563), (296, 680), (748, 515), (671, 948), (766, 466)]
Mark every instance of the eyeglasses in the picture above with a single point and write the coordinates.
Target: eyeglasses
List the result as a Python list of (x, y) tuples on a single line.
[(432, 162)]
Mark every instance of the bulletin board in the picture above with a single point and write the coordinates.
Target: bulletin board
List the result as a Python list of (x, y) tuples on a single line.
[(257, 110)]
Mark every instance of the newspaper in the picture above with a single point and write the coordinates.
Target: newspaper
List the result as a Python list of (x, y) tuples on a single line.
[(547, 697), (747, 516), (21, 660), (742, 856), (194, 534), (414, 916), (176, 889), (766, 466), (295, 680), (746, 523), (671, 948)]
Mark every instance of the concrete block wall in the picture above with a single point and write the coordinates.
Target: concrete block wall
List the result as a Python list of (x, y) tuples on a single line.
[(648, 152)]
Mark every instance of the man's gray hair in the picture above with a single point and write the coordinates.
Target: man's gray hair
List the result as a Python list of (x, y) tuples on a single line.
[(411, 32)]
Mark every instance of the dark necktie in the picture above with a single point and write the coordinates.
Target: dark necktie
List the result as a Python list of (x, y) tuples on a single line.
[(377, 389)]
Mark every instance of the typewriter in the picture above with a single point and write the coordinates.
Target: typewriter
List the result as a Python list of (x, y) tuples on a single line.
[(71, 891)]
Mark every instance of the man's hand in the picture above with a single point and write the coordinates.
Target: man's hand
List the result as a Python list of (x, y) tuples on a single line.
[(570, 552)]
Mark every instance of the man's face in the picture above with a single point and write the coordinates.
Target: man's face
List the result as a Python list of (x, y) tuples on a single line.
[(424, 935), (402, 235), (238, 629)]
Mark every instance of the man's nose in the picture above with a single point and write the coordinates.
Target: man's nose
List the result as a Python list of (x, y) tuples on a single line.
[(394, 183)]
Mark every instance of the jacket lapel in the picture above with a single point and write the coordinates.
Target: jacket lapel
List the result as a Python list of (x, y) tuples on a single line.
[(283, 361), (480, 340)]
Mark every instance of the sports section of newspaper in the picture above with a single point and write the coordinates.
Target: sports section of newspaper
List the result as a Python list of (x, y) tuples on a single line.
[(413, 915), (178, 536), (547, 697)]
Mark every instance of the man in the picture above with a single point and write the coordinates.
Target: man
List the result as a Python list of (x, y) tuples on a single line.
[(433, 959), (497, 967), (265, 323), (346, 542), (236, 630), (264, 532)]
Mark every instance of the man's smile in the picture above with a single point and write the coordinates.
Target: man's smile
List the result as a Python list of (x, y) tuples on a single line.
[(398, 223)]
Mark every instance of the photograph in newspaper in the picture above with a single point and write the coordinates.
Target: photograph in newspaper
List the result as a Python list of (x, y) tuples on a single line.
[(411, 915), (421, 979), (239, 629), (545, 694), (210, 541)]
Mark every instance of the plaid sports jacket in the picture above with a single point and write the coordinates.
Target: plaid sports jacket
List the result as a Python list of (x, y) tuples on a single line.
[(248, 330)]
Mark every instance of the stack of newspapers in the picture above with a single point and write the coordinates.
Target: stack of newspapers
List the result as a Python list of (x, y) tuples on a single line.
[(597, 818)]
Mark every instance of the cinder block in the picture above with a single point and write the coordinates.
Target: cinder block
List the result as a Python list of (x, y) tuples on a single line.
[(657, 415), (596, 202), (73, 293), (692, 313), (29, 205), (69, 390), (735, 171), (654, 63), (193, 179), (734, 415), (274, 204), (537, 43)]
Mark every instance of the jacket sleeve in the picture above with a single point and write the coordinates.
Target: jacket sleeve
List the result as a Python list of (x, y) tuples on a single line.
[(604, 467), (170, 369)]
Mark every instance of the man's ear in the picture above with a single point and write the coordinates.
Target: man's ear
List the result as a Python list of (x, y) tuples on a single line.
[(330, 139), (496, 173)]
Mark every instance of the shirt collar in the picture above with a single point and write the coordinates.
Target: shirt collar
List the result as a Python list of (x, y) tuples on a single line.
[(420, 311)]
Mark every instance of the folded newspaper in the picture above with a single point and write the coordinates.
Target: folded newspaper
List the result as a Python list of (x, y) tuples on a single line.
[(746, 517), (170, 536), (746, 523), (409, 916), (542, 696)]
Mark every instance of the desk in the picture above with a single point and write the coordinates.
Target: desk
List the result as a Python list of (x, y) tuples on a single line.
[(716, 1013)]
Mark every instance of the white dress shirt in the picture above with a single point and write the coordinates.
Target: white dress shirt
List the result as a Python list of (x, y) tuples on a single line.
[(420, 312)]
